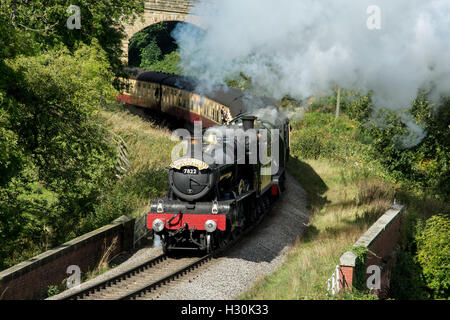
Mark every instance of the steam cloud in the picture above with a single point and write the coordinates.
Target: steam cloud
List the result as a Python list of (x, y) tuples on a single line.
[(302, 47)]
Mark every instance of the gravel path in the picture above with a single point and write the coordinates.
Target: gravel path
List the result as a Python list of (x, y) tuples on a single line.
[(260, 253)]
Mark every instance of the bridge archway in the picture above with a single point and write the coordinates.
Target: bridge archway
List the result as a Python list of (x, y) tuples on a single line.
[(156, 12), (155, 44)]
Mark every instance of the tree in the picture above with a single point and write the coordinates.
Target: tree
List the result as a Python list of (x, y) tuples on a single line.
[(169, 64), (53, 139), (150, 55), (46, 22)]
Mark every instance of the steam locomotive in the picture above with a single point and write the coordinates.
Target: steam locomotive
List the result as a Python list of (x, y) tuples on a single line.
[(231, 173)]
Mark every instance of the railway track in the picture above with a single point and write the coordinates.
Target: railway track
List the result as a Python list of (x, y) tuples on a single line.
[(141, 280), (144, 279)]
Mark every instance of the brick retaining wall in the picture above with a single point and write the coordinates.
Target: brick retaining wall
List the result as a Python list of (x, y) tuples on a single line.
[(31, 278), (380, 240)]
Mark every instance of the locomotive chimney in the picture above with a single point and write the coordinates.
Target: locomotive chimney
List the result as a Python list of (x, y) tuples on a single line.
[(248, 122)]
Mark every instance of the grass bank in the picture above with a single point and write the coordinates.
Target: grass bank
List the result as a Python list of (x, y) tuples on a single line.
[(149, 150), (343, 203), (348, 190)]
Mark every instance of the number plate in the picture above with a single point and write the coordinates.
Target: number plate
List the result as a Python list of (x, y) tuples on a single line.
[(190, 170)]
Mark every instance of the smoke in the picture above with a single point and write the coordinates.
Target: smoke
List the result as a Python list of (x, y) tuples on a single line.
[(302, 47), (271, 114)]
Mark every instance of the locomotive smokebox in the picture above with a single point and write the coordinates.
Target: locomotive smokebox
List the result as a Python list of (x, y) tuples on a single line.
[(248, 122)]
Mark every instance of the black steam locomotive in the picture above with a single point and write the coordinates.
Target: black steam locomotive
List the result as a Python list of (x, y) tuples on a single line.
[(227, 186), (237, 171)]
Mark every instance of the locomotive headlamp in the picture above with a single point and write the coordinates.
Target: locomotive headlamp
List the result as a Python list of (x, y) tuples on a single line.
[(210, 226), (158, 225)]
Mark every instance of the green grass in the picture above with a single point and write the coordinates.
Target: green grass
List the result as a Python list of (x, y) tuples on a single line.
[(348, 190), (341, 211), (149, 148)]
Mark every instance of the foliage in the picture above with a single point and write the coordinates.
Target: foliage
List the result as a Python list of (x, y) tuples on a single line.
[(52, 291), (336, 221), (46, 22), (359, 280), (433, 254), (10, 154), (151, 45), (351, 143), (240, 81), (150, 54), (319, 135), (421, 162), (57, 152), (169, 64), (391, 137), (56, 155)]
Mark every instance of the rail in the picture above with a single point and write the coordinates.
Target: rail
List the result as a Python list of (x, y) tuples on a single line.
[(111, 281)]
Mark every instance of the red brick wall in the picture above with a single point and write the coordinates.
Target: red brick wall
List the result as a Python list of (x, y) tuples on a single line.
[(380, 251), (384, 244), (38, 273), (383, 248), (347, 276)]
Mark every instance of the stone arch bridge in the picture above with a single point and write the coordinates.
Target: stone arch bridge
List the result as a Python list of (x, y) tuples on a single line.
[(156, 11)]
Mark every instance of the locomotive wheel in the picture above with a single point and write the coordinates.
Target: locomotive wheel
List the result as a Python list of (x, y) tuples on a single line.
[(209, 243), (268, 203), (265, 204), (223, 239), (259, 211), (282, 182), (164, 245), (255, 214), (235, 233)]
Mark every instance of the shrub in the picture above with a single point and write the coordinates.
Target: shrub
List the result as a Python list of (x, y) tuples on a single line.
[(419, 162), (320, 135), (412, 144), (433, 254)]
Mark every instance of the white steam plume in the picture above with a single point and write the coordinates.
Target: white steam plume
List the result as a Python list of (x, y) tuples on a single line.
[(301, 47)]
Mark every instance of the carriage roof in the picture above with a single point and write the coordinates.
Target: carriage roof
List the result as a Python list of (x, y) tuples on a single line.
[(235, 99)]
